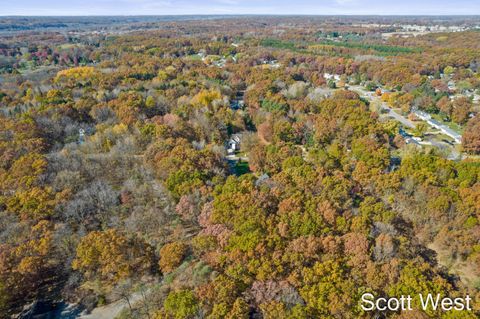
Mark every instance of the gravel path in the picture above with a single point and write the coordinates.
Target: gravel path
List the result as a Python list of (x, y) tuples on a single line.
[(112, 310)]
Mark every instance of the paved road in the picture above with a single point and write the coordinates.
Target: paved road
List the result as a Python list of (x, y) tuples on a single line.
[(234, 157), (453, 153), (439, 126), (371, 97), (400, 118)]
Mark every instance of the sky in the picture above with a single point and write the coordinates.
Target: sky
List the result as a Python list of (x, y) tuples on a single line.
[(187, 7)]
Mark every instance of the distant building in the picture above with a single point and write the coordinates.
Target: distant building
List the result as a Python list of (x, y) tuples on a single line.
[(451, 85), (220, 62), (233, 144), (272, 63), (329, 76), (81, 136), (404, 134), (435, 124), (410, 140), (202, 54)]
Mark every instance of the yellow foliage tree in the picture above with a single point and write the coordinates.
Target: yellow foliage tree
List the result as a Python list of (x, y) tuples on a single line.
[(35, 203), (204, 98), (71, 77), (111, 256), (171, 255)]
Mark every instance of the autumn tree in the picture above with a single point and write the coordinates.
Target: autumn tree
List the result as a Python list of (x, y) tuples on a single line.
[(25, 266), (181, 304), (111, 256), (462, 107), (471, 136), (171, 256), (76, 76)]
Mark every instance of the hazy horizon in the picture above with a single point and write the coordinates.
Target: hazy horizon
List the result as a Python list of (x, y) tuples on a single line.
[(241, 15), (237, 7)]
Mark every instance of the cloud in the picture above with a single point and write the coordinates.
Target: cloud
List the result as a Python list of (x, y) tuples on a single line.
[(229, 2), (166, 7), (345, 2)]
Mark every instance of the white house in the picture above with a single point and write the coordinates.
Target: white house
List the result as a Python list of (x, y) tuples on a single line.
[(233, 144), (329, 76), (435, 124)]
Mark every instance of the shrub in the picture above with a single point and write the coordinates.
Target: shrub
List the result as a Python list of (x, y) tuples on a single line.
[(171, 255)]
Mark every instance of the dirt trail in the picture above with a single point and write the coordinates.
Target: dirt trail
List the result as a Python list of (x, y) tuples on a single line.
[(462, 269), (112, 310)]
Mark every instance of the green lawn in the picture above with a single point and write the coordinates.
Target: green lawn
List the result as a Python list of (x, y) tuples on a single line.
[(241, 168), (193, 57), (454, 126), (380, 49)]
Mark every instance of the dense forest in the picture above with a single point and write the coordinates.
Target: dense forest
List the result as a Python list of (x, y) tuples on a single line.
[(119, 181)]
